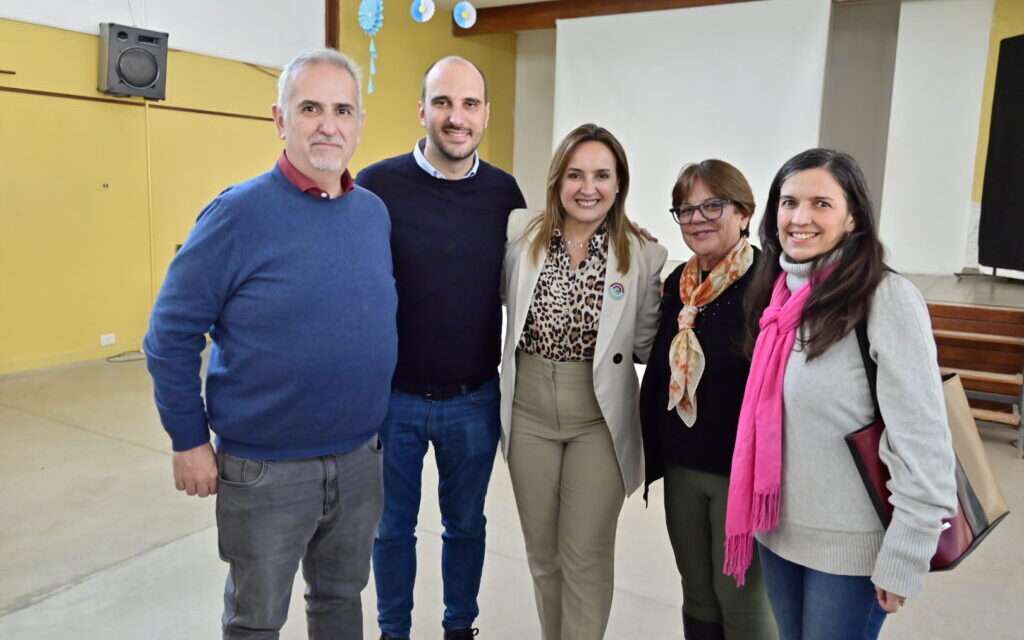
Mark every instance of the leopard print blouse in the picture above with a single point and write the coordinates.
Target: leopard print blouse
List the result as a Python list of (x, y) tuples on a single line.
[(561, 324)]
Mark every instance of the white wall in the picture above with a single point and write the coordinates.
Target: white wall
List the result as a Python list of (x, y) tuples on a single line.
[(739, 82), (933, 133), (535, 102), (266, 32)]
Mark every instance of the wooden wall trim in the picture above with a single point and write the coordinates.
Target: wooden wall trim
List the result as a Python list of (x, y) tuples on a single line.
[(332, 23), (542, 15)]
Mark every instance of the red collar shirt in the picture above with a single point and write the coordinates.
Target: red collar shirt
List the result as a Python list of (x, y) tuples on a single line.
[(307, 186)]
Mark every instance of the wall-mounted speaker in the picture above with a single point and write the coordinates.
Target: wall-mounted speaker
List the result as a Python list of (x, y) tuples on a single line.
[(133, 61)]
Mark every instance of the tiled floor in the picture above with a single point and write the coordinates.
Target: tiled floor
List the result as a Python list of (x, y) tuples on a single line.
[(93, 537), (96, 544)]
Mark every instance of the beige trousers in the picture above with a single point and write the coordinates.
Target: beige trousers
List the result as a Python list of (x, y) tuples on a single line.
[(569, 493)]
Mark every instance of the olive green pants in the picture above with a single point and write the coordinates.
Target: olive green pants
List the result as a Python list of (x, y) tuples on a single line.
[(695, 515)]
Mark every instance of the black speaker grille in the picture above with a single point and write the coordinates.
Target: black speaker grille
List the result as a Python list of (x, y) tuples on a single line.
[(137, 68)]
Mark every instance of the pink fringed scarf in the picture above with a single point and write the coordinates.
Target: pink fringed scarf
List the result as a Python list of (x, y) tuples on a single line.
[(755, 484)]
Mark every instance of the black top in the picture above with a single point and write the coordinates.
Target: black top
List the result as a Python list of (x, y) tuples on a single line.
[(708, 444), (448, 244)]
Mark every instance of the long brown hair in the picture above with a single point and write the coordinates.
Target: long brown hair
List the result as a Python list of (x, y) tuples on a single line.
[(842, 301), (554, 214)]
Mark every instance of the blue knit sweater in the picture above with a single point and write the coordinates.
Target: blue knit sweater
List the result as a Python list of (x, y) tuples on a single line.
[(298, 297)]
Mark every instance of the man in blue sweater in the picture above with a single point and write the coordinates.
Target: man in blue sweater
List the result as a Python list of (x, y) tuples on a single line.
[(448, 212), (290, 273)]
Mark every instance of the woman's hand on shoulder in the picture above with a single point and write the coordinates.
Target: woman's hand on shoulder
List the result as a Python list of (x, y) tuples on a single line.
[(643, 232)]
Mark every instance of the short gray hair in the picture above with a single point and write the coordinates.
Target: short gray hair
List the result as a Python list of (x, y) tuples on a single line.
[(312, 57)]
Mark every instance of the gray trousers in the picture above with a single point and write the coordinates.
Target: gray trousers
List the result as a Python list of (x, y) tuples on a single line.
[(271, 516)]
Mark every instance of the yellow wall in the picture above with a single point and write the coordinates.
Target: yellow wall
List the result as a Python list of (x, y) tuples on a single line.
[(405, 49), (74, 258), (96, 195), (1007, 21)]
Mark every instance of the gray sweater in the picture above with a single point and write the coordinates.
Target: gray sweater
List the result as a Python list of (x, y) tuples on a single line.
[(827, 522)]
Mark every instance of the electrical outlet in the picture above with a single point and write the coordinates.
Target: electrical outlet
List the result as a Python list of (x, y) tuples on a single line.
[(108, 339)]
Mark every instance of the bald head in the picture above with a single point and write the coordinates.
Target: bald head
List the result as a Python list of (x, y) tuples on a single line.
[(441, 66), (454, 111)]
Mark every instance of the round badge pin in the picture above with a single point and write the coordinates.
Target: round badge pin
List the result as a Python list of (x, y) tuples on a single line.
[(617, 291)]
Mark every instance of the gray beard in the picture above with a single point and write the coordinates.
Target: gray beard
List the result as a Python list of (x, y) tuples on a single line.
[(325, 165)]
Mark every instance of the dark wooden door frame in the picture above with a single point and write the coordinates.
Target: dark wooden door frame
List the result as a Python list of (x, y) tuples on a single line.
[(542, 15), (332, 23)]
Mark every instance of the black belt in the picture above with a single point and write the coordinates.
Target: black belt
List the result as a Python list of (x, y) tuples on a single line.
[(438, 391)]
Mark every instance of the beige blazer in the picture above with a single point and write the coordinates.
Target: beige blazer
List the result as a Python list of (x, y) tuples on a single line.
[(628, 324)]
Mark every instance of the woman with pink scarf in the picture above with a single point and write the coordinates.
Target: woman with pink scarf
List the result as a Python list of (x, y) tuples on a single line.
[(832, 571)]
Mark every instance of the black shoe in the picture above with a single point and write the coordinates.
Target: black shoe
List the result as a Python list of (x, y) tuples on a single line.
[(385, 636), (694, 629), (460, 634)]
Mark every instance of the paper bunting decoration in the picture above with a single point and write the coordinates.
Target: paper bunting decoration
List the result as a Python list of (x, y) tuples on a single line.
[(371, 19), (422, 10), (464, 14)]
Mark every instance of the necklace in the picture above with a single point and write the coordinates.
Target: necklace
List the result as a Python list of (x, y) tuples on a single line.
[(574, 244)]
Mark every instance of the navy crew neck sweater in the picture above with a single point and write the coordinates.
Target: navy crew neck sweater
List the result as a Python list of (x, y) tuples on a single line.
[(448, 243), (298, 296)]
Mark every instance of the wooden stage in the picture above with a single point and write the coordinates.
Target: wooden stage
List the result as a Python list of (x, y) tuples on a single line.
[(978, 322)]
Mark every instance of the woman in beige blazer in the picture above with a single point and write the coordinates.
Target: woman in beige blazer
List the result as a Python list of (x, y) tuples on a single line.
[(582, 289)]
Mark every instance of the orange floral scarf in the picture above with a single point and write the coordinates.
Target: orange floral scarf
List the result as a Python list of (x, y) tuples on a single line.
[(685, 356)]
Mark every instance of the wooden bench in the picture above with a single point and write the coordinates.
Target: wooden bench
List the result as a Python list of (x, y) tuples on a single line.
[(985, 346)]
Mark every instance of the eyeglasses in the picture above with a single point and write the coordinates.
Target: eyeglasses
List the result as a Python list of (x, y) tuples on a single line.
[(711, 209)]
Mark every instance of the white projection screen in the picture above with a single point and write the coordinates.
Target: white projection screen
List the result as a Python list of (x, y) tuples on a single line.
[(740, 82)]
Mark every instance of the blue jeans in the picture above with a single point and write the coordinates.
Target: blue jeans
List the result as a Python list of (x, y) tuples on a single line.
[(464, 431), (813, 605)]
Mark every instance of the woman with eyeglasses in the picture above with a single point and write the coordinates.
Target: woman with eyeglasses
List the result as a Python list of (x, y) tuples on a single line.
[(832, 571), (691, 395), (582, 293)]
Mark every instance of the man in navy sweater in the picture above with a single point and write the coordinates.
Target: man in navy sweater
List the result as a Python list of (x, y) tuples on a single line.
[(448, 212), (290, 273)]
